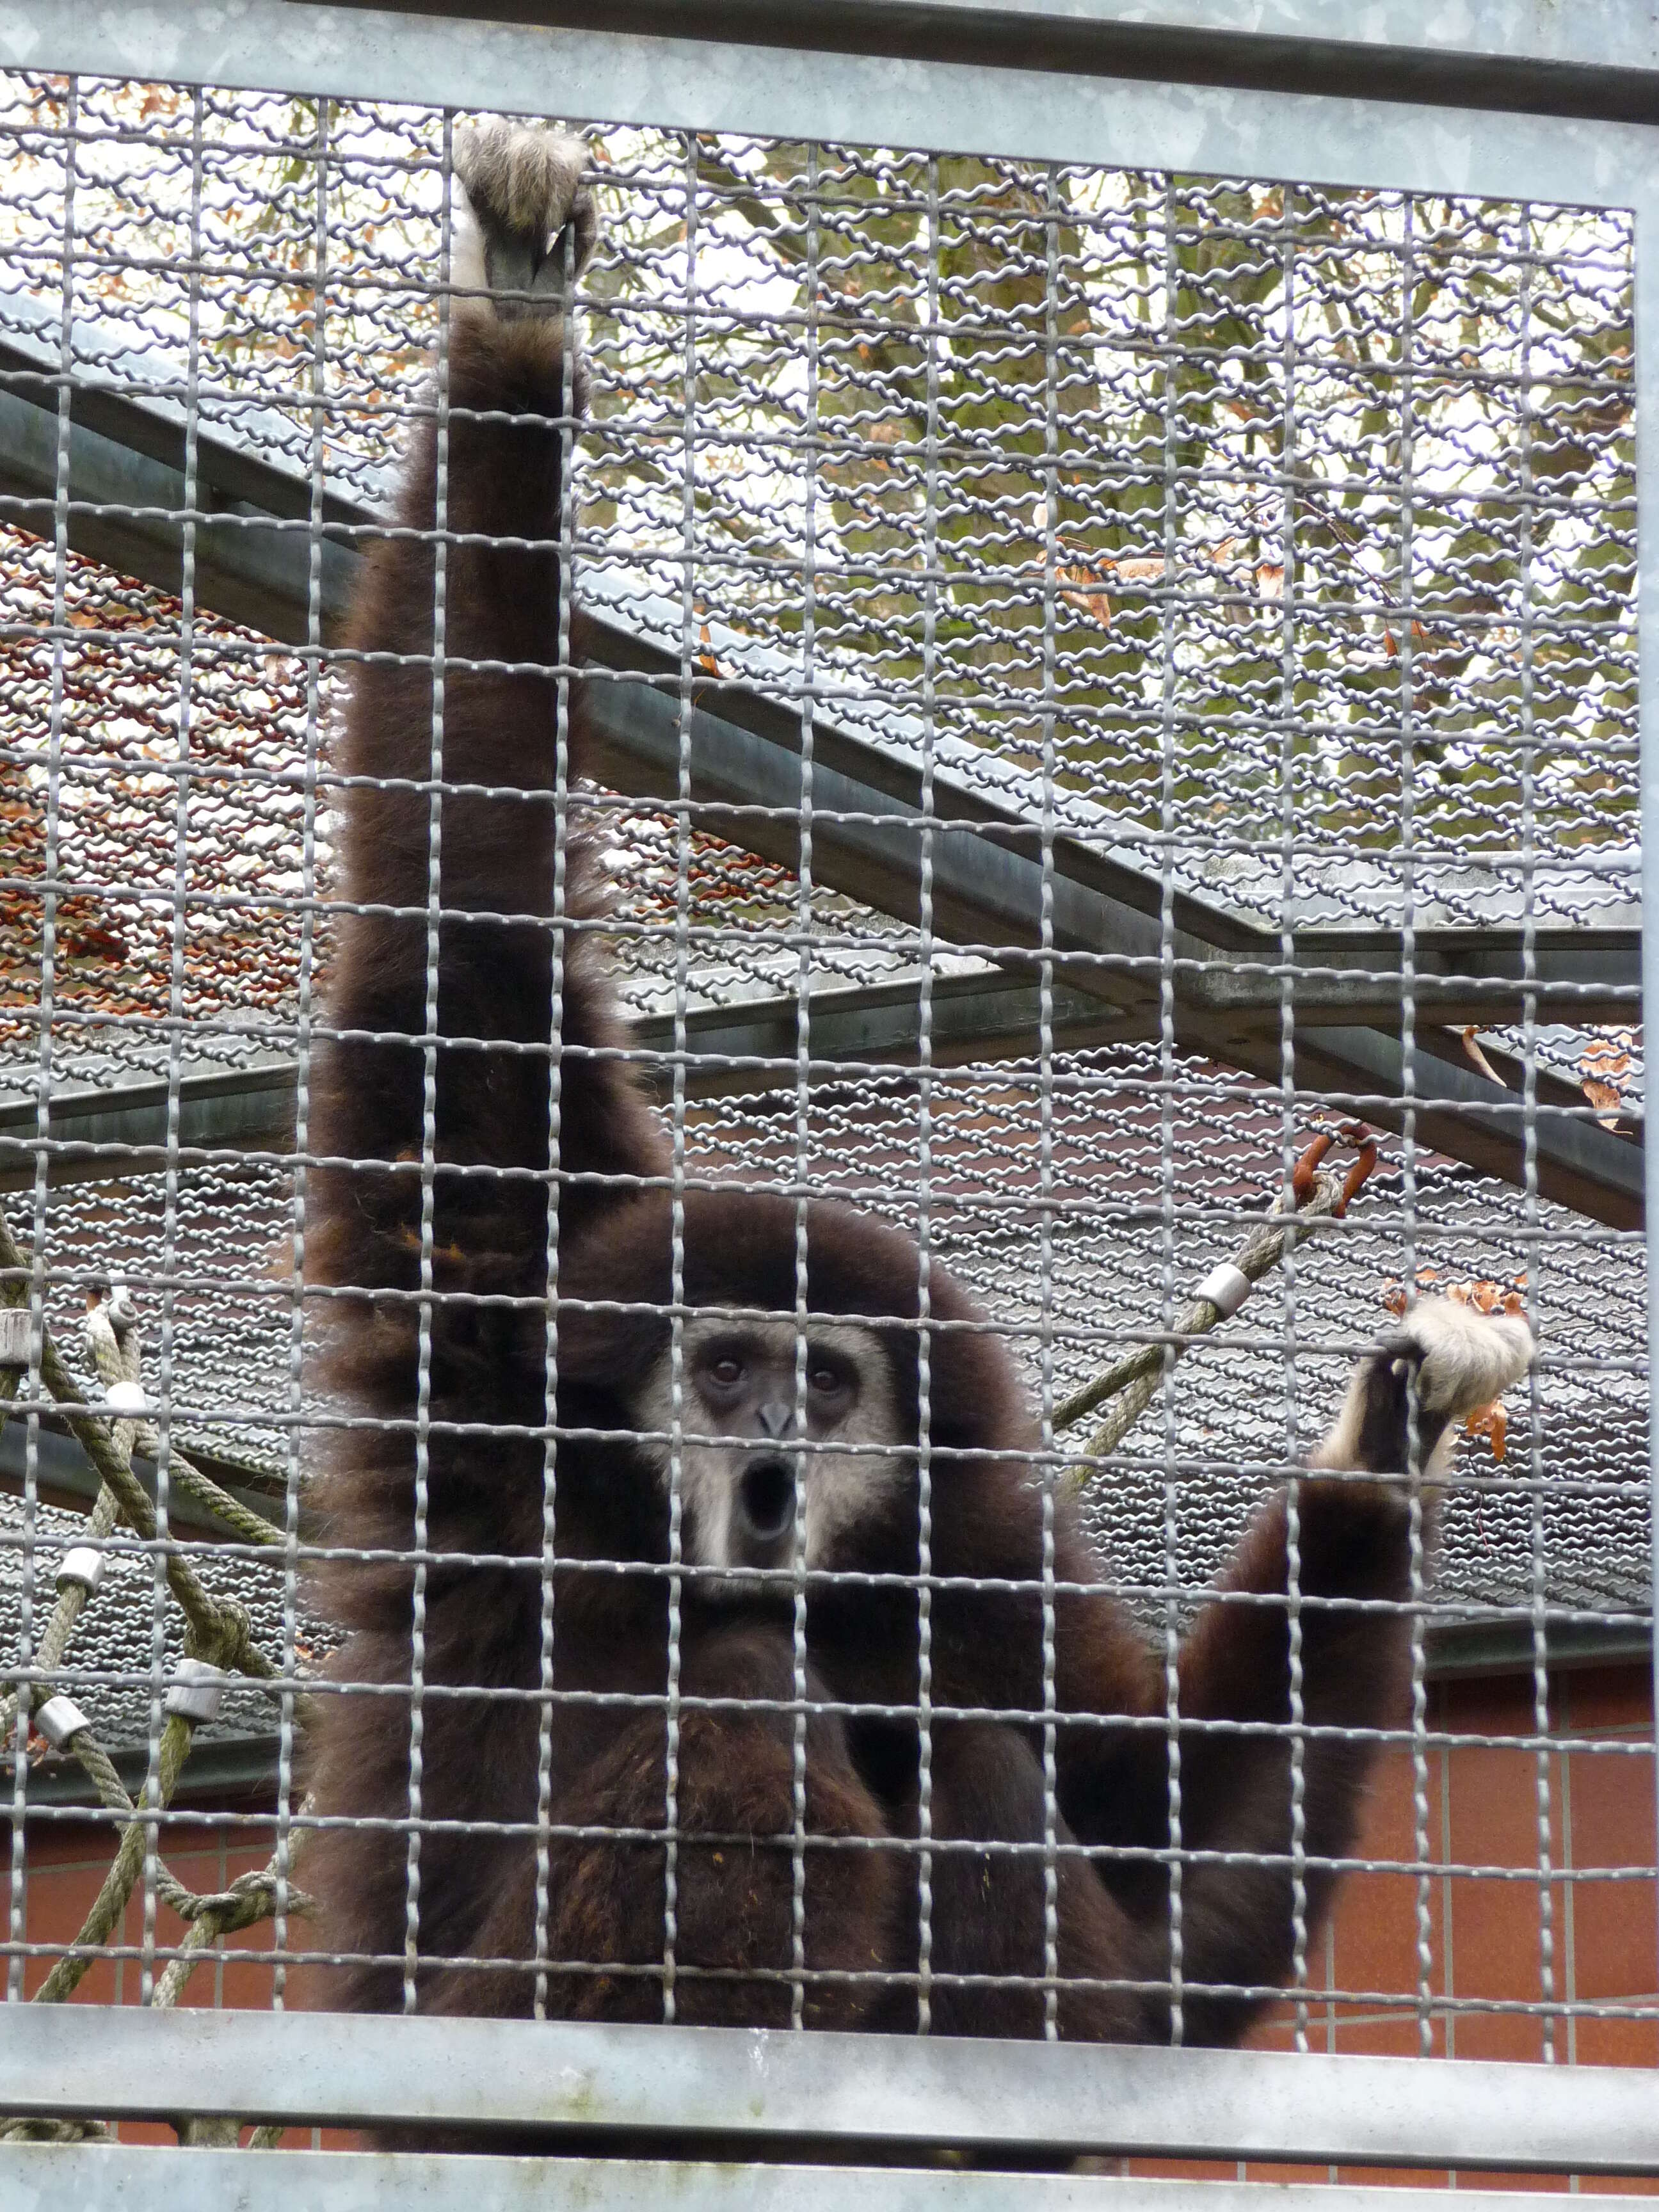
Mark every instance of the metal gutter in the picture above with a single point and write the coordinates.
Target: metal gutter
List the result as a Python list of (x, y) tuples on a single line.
[(1510, 55)]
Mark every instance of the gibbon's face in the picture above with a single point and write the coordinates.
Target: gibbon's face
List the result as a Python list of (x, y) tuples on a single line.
[(746, 1457)]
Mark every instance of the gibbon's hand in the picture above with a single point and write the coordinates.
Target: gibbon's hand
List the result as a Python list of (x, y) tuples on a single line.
[(1463, 1360), (524, 188), (1459, 1360)]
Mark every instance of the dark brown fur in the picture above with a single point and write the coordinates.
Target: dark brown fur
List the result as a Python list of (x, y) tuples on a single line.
[(483, 1631)]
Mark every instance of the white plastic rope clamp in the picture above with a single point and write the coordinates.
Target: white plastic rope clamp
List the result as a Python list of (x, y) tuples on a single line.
[(1225, 1288), (197, 1691), (15, 1324), (83, 1564), (58, 1720), (128, 1400)]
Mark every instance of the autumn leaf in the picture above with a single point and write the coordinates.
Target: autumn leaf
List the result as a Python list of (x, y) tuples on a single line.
[(1482, 1293), (1472, 1047), (1492, 1423), (1606, 1098), (1088, 599)]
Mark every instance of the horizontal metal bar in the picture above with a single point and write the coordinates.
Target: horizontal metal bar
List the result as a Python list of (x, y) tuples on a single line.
[(242, 1108), (245, 568), (759, 2087), (1518, 57), (221, 1769), (152, 2179), (65, 1475), (1454, 1650), (974, 1018), (948, 101), (750, 1047), (1594, 1170), (1463, 1647)]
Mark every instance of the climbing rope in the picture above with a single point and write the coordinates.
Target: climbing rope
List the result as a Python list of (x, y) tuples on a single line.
[(218, 1646)]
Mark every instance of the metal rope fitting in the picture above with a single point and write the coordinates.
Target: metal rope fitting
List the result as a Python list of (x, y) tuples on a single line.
[(60, 1720), (83, 1564), (197, 1691), (1225, 1288)]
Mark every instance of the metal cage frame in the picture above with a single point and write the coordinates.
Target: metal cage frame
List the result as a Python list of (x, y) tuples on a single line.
[(1523, 101)]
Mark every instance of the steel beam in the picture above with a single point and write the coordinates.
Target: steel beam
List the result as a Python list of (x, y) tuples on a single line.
[(127, 486), (148, 2178), (1373, 116), (757, 2087), (126, 511), (97, 1135), (868, 828), (752, 1046), (1594, 1170), (126, 483), (1495, 54), (65, 1475)]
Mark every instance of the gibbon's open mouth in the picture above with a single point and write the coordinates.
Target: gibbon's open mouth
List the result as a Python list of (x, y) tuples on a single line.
[(766, 1499)]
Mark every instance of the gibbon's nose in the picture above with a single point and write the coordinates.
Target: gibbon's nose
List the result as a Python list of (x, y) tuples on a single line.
[(766, 1498), (776, 1417)]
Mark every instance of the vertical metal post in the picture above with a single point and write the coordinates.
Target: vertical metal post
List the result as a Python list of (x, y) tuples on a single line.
[(1169, 612), (670, 1895), (293, 1469), (1646, 259), (154, 1791), (932, 338), (1046, 1102), (429, 1082), (557, 954), (804, 1089)]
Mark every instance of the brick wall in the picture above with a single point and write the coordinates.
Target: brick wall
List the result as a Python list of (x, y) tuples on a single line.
[(1482, 1800)]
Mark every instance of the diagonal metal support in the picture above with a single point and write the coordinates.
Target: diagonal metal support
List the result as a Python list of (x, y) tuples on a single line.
[(1595, 1170), (126, 489)]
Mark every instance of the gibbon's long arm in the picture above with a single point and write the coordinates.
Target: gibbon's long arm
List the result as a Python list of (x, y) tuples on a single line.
[(1353, 1544), (513, 384), (466, 649)]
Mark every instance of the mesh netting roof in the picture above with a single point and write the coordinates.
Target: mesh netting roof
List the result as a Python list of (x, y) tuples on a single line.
[(1259, 514)]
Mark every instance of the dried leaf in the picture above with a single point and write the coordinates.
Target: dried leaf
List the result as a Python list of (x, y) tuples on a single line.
[(1088, 599), (1472, 1047), (1606, 1097), (1492, 1423)]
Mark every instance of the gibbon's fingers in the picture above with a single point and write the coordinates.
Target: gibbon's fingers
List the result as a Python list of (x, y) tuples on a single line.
[(1458, 1360), (523, 188)]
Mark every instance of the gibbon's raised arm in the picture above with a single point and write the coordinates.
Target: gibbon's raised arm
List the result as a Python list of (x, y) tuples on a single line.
[(512, 384), (499, 438), (1353, 1541)]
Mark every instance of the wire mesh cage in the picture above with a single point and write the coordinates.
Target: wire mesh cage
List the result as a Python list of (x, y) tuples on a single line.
[(1088, 716)]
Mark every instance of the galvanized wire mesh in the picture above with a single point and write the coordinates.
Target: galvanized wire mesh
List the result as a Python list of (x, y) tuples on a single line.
[(1268, 550)]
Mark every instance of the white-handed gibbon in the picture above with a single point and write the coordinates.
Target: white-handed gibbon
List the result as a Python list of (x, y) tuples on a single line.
[(523, 901)]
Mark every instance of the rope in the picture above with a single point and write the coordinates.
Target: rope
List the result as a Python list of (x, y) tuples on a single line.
[(217, 1631), (1133, 1380), (221, 1627)]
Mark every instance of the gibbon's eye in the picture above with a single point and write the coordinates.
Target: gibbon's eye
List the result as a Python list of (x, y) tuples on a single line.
[(826, 1381), (725, 1372)]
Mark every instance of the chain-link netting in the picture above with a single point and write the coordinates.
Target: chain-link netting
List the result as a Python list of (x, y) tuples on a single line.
[(1190, 624)]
